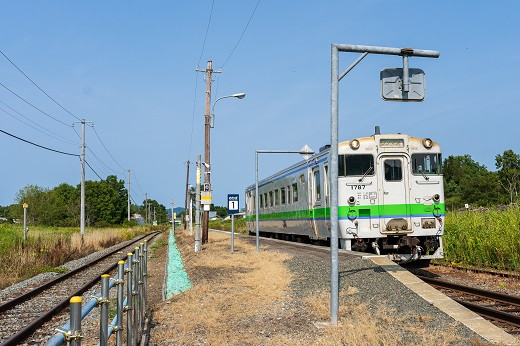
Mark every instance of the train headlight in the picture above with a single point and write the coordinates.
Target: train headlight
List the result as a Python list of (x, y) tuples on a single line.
[(436, 197), (354, 144), (352, 199), (428, 143)]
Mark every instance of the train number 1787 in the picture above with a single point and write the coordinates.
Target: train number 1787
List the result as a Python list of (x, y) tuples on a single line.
[(358, 187)]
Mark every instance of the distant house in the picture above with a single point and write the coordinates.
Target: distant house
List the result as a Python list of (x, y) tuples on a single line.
[(240, 215), (213, 215), (138, 219)]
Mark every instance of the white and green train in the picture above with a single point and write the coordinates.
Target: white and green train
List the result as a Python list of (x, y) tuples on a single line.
[(390, 198)]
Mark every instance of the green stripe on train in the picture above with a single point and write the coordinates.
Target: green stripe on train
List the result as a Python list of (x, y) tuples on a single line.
[(358, 211)]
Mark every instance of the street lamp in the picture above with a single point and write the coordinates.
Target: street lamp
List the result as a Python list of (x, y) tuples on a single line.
[(212, 120), (209, 123)]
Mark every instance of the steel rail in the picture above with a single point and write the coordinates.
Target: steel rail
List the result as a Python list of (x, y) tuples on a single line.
[(509, 299), (23, 333), (491, 313), (24, 297)]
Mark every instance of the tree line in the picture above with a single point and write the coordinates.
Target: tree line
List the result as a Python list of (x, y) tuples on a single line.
[(105, 204), (468, 182)]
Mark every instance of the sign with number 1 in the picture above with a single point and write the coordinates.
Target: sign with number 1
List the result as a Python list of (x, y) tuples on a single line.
[(233, 204)]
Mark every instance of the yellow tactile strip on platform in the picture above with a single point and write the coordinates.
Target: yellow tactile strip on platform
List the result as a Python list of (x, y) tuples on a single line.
[(479, 325)]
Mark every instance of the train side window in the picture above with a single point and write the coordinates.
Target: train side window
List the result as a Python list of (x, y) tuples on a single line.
[(317, 185), (282, 195), (393, 170), (358, 165), (261, 201), (295, 192), (266, 204), (326, 181), (271, 199), (288, 189), (276, 197)]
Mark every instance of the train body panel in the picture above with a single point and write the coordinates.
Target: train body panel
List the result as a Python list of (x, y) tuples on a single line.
[(390, 197)]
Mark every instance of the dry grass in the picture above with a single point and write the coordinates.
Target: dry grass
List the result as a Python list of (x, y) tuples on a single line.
[(229, 290), (46, 249), (238, 300)]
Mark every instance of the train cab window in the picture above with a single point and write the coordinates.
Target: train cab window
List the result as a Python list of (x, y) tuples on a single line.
[(426, 164), (317, 185), (276, 197), (295, 192), (271, 198), (282, 195), (393, 170), (355, 165)]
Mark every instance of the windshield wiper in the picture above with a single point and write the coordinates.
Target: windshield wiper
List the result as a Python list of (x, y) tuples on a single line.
[(424, 175), (364, 175)]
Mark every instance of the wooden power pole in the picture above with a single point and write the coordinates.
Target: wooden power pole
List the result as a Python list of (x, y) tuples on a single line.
[(207, 150)]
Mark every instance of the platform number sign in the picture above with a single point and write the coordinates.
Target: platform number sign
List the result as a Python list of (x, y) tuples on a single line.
[(233, 204)]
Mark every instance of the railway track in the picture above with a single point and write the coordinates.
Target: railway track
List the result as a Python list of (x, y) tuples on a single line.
[(501, 308), (21, 316)]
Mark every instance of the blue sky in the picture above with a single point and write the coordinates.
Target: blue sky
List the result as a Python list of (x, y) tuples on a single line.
[(129, 67)]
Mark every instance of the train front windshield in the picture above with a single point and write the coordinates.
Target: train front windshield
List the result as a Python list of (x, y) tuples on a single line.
[(426, 164)]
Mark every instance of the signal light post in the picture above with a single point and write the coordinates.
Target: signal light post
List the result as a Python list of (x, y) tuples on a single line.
[(402, 95)]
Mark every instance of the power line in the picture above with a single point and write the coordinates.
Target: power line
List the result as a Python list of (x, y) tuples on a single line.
[(104, 164), (53, 135), (243, 32), (36, 85), (106, 148), (33, 106), (135, 177), (41, 146), (93, 170), (207, 30)]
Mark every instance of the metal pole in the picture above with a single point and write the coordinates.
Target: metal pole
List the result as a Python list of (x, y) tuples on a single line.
[(187, 197), (129, 294), (128, 196), (141, 285), (232, 232), (173, 219), (24, 223), (120, 298), (82, 221), (103, 324), (145, 275), (135, 267), (197, 209), (334, 279), (256, 203), (146, 207), (191, 213), (75, 320)]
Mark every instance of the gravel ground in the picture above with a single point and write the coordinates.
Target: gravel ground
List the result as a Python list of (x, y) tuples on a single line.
[(373, 287)]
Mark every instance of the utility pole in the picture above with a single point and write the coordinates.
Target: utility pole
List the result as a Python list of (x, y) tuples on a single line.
[(187, 195), (82, 222), (173, 218), (207, 157), (197, 208), (82, 198), (146, 206), (129, 195)]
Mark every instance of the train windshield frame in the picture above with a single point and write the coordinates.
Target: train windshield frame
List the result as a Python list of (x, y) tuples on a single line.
[(355, 165), (427, 163)]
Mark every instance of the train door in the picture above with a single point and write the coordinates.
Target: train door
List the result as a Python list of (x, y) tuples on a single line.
[(394, 208), (316, 203)]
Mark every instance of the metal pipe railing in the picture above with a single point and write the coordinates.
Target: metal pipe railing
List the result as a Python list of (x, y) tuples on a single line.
[(134, 272)]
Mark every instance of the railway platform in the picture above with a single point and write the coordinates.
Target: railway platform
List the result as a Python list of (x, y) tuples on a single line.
[(280, 295)]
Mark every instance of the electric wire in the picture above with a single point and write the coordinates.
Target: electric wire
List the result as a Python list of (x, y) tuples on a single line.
[(38, 145), (139, 186), (93, 170), (104, 146), (196, 77), (104, 164), (241, 36), (33, 106), (48, 133), (36, 85)]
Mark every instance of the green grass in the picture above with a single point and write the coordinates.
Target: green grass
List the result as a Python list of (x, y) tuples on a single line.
[(240, 225), (489, 238)]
